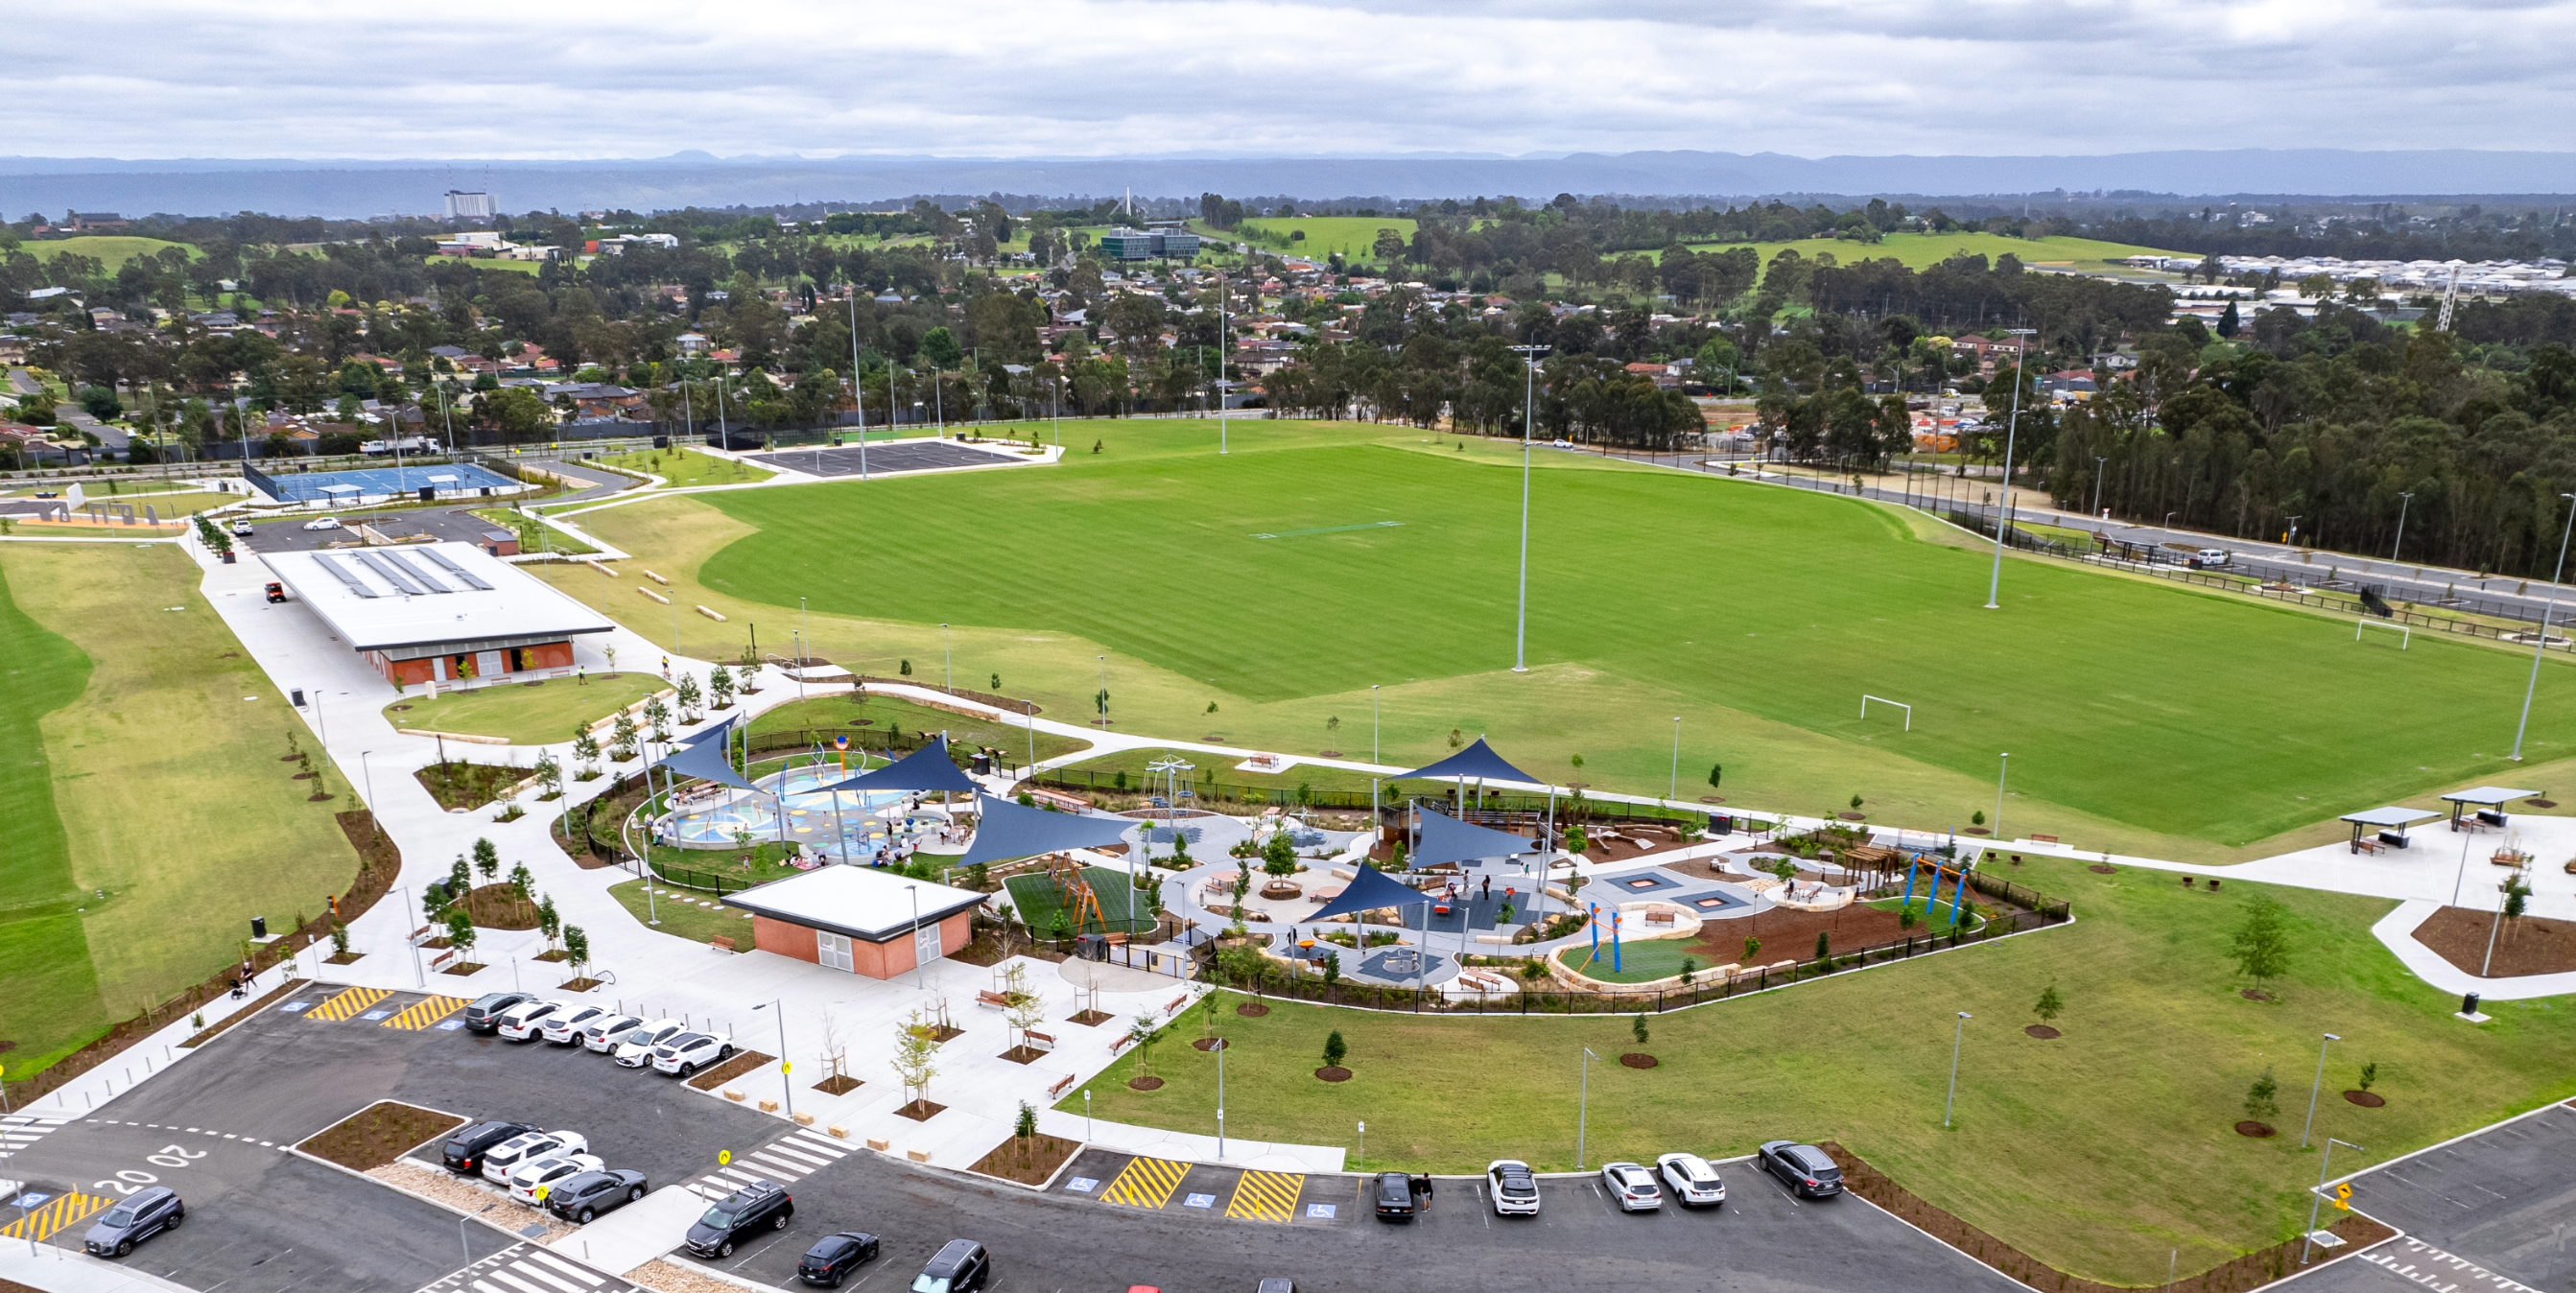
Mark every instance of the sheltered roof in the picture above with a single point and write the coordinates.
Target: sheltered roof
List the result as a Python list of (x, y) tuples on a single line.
[(2486, 795), (709, 734), (1447, 839), (928, 768), (2389, 816), (704, 761), (1370, 890), (430, 594), (857, 901), (1477, 760), (1005, 830)]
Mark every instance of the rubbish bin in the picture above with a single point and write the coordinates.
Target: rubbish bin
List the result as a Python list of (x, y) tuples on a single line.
[(1091, 947), (2469, 1004), (259, 926)]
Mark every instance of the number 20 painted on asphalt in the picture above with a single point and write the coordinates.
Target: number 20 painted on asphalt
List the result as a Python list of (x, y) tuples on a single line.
[(127, 1182)]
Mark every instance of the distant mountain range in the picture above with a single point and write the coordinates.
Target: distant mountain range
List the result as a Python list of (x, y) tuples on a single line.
[(357, 188)]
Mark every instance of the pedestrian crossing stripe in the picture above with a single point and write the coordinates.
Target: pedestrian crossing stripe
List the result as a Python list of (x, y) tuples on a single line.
[(62, 1213), (347, 1004), (19, 1131), (527, 1268), (1266, 1196), (787, 1158), (424, 1012), (1146, 1183)]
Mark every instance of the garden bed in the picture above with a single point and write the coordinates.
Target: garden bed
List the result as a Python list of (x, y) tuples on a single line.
[(498, 906), (457, 783), (741, 1063), (839, 1084), (2530, 945), (1032, 1161), (378, 1134), (216, 1029)]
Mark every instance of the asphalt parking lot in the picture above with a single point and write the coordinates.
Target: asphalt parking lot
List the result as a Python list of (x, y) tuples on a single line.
[(262, 1221), (2487, 1214), (888, 459)]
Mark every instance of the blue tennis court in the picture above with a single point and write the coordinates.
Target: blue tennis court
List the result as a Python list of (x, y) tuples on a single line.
[(450, 480)]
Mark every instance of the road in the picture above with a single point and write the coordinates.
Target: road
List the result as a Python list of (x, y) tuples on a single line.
[(261, 1221), (2490, 1213)]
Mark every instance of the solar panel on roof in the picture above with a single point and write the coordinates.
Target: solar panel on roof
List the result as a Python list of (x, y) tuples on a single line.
[(356, 585), (400, 580), (471, 579), (418, 575)]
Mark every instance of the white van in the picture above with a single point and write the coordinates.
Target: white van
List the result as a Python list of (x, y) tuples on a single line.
[(2211, 557)]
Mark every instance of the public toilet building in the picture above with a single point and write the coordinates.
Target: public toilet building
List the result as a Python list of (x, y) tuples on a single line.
[(859, 919), (444, 613)]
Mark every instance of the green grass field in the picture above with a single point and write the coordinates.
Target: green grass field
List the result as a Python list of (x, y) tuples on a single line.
[(1353, 236), (528, 267), (1758, 615), (534, 536), (115, 702), (680, 914), (1038, 903), (2097, 1152), (535, 713), (1919, 251), (680, 467), (111, 249), (842, 712)]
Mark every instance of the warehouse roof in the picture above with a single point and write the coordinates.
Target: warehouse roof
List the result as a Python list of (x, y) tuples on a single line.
[(429, 594)]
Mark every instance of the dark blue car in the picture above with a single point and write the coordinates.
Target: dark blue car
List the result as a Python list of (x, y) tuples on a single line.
[(134, 1219)]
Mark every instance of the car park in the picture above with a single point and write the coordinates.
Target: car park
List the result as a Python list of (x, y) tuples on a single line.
[(685, 1054), (1394, 1194), (563, 1027), (135, 1218), (1693, 1181), (483, 1014), (585, 1195), (960, 1266), (323, 523), (522, 1022), (1512, 1187), (1632, 1186), (637, 1050), (834, 1257), (528, 1184), (761, 1205), (518, 1151), (463, 1153), (603, 1034), (1805, 1169)]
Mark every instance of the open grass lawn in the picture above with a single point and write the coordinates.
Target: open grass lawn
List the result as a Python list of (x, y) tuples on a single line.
[(528, 267), (534, 535), (525, 713), (1640, 961), (681, 914), (1921, 251), (680, 467), (1271, 581), (142, 771), (1353, 236), (1224, 771), (843, 712), (2097, 1152), (111, 249)]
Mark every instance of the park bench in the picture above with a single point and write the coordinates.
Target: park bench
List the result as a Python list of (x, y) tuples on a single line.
[(1124, 1040), (1061, 1083), (1659, 918), (1038, 1040), (997, 1000), (2043, 839), (1174, 1006), (721, 943)]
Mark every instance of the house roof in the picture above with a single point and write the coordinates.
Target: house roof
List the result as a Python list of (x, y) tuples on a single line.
[(856, 901), (416, 596)]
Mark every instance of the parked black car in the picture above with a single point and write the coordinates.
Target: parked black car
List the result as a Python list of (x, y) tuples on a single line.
[(1394, 1196), (484, 1016), (960, 1266), (1805, 1169), (463, 1152), (137, 1217), (585, 1195), (833, 1257), (757, 1206)]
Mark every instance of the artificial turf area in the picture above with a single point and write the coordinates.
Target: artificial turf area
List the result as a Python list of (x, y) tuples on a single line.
[(526, 713), (1039, 900), (2097, 1152), (149, 767), (2140, 716)]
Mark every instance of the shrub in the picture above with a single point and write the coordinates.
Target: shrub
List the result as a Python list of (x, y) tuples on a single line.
[(2261, 1100), (1335, 1049), (2050, 1005), (1824, 943), (2369, 1074), (1637, 1028), (1752, 948)]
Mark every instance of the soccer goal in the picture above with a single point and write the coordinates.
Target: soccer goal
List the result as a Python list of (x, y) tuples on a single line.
[(2405, 635), (1866, 698)]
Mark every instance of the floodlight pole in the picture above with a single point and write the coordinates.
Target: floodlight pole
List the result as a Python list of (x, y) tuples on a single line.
[(1583, 1106), (2098, 461), (2403, 501), (1529, 422), (948, 658), (2021, 378), (1672, 787), (1959, 1032), (1373, 723), (2000, 777), (2313, 1085), (858, 391), (2543, 644), (1221, 450), (786, 1085)]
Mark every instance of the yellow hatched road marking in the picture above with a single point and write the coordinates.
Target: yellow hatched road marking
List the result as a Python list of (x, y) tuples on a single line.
[(347, 1004), (424, 1012), (1146, 1183), (1266, 1196), (58, 1214)]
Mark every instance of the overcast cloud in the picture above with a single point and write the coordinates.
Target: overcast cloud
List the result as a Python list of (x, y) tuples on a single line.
[(1018, 78)]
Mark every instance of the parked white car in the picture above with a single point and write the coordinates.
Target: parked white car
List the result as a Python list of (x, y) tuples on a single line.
[(1633, 1187), (535, 1175), (636, 1050), (524, 1021), (686, 1053), (605, 1033), (323, 523), (563, 1027), (527, 1147), (1513, 1188), (1692, 1180)]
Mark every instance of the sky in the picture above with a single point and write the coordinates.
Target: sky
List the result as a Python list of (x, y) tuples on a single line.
[(1018, 78)]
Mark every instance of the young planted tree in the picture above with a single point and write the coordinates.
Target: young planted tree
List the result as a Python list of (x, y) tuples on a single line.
[(1142, 1035), (549, 775), (2261, 945), (1824, 943), (487, 860), (576, 944), (720, 686), (1637, 1028), (2050, 1005), (460, 932), (916, 1049), (549, 921), (2369, 1074), (1028, 1009), (1332, 968), (1752, 948), (585, 747), (1025, 1129), (622, 736), (1335, 1049), (689, 697), (2262, 1102), (1279, 854), (659, 716), (340, 943)]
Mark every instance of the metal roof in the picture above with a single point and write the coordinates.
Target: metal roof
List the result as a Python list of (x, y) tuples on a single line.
[(2391, 816), (2486, 795), (860, 902), (456, 593)]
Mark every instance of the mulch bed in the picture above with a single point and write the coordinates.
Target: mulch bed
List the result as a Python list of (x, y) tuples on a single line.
[(2043, 1032), (2531, 945), (2250, 1271), (921, 1110), (1208, 1044), (577, 985), (2255, 994), (839, 1084), (552, 957), (941, 1035), (378, 1134), (463, 968), (1788, 933), (460, 784), (1022, 1054), (214, 1030), (1147, 1083), (2542, 803), (1091, 1018), (1334, 1073), (1252, 1010), (2366, 1099), (344, 958), (1030, 1162), (2256, 1130), (741, 1063), (498, 906), (1638, 1060), (2103, 868)]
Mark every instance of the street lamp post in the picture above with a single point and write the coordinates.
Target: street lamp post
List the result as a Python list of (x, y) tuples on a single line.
[(2318, 1081), (1373, 723), (1583, 1106), (2403, 502), (419, 976), (1959, 1032), (368, 772), (2098, 460), (2000, 777), (786, 1085), (1529, 422), (1220, 1100), (2546, 611), (461, 1240), (947, 657), (1673, 786), (2012, 429), (2317, 1196), (919, 979)]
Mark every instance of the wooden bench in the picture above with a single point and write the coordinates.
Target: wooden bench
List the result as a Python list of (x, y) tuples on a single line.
[(1124, 1040), (1173, 1006), (997, 1000), (1061, 1084), (1038, 1040), (1659, 918), (722, 943)]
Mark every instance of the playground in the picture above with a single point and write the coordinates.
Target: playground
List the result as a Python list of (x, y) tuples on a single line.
[(857, 826), (1088, 900)]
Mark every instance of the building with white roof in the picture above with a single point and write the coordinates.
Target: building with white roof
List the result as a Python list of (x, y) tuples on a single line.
[(859, 919), (437, 612)]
